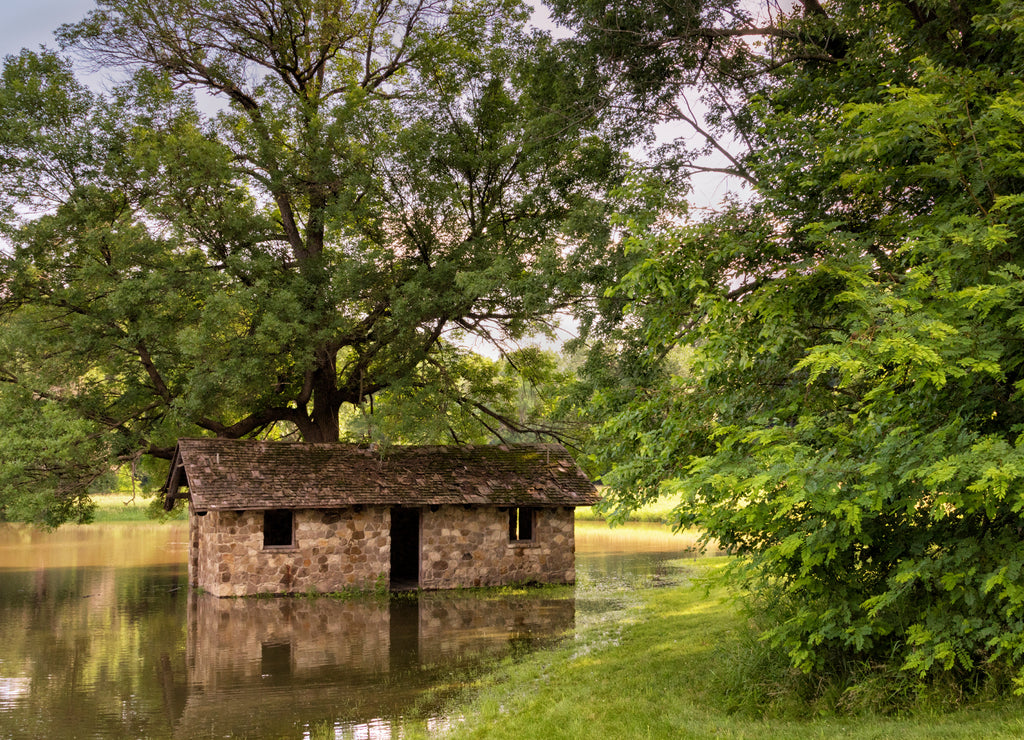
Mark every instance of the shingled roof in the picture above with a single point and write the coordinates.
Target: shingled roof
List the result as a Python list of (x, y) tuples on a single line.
[(246, 474)]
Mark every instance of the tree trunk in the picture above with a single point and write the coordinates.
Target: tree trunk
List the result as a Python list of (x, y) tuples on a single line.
[(324, 426)]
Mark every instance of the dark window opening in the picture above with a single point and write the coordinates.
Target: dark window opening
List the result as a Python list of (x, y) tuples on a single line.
[(277, 528), (520, 524)]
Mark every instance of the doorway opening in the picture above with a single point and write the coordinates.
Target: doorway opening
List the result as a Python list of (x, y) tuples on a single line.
[(405, 549)]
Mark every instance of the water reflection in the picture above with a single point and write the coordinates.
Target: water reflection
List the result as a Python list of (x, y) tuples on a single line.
[(262, 664), (23, 547), (112, 651), (87, 651), (99, 637)]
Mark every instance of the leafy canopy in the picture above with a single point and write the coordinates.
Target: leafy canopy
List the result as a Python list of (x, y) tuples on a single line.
[(849, 419), (286, 208)]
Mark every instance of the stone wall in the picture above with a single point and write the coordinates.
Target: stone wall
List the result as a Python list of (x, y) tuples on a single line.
[(334, 550), (339, 549), (469, 547)]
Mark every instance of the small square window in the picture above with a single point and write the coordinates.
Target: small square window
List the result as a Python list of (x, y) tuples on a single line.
[(277, 528), (520, 524)]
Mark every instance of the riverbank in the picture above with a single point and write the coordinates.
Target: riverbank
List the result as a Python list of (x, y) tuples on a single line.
[(126, 507), (655, 670), (656, 660)]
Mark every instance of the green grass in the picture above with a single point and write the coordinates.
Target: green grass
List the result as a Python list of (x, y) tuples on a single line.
[(662, 668), (657, 511), (122, 507), (597, 536)]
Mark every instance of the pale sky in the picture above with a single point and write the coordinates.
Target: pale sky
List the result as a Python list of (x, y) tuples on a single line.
[(29, 23)]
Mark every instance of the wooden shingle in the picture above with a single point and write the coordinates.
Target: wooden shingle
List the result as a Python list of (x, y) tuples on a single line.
[(224, 474)]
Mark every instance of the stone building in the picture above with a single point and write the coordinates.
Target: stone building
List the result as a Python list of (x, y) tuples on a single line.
[(275, 517)]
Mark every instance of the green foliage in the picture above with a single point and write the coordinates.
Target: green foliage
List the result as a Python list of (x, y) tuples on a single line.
[(356, 189), (850, 420), (460, 397), (50, 462)]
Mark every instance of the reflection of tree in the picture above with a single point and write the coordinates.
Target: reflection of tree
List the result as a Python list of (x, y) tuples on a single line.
[(89, 642)]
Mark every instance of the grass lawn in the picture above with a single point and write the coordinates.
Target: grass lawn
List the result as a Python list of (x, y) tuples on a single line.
[(652, 674), (122, 507), (657, 511)]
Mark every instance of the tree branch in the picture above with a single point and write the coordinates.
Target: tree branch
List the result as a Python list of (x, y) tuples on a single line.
[(154, 375), (691, 120), (254, 421)]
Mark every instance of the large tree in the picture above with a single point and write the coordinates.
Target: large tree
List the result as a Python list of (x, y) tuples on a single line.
[(849, 417), (280, 209)]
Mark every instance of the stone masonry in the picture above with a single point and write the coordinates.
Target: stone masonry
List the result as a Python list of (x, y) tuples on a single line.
[(349, 548), (468, 547), (334, 550)]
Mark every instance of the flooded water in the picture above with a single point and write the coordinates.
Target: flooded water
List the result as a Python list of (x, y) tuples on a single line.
[(101, 638)]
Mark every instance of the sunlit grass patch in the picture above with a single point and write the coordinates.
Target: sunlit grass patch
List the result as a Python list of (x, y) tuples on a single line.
[(655, 670), (659, 511), (123, 507), (597, 536)]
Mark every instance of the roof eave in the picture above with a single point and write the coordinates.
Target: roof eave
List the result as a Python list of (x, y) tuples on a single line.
[(173, 485)]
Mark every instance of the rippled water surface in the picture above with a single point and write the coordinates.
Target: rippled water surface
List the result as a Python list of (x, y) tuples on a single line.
[(101, 638)]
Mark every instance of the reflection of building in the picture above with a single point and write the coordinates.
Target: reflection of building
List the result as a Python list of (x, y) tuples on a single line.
[(261, 666), (271, 517), (232, 639), (450, 629)]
